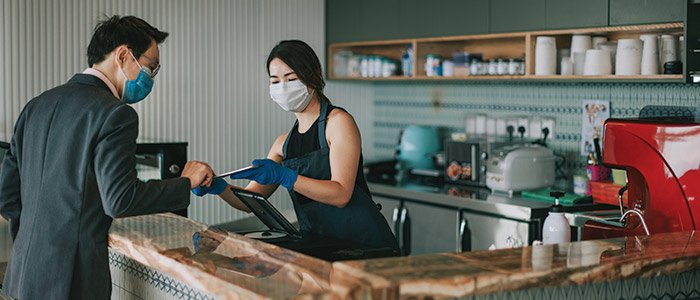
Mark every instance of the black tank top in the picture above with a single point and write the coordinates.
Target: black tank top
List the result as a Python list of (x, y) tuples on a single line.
[(301, 144), (307, 142)]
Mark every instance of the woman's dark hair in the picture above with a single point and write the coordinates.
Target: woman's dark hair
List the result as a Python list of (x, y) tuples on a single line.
[(301, 58), (131, 31)]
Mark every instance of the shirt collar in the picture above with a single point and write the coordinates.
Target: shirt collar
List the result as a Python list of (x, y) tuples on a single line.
[(98, 74)]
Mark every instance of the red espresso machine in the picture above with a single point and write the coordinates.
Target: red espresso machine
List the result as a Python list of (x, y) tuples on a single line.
[(662, 158)]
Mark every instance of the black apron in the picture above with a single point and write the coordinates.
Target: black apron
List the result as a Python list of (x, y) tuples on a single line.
[(359, 221)]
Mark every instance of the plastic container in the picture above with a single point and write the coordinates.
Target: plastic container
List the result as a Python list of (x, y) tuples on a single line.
[(598, 173), (407, 61), (605, 192), (433, 65), (556, 227)]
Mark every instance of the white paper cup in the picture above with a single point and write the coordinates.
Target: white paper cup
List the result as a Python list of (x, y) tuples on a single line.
[(579, 62), (597, 40), (566, 67), (650, 54), (669, 49), (580, 43), (628, 58), (561, 53), (545, 56), (681, 49), (611, 47), (597, 62)]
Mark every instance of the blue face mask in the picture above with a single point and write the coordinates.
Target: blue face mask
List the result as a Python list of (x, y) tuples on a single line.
[(137, 90)]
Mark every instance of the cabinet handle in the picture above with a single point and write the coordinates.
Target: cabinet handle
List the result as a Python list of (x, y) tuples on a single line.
[(475, 167), (395, 225), (465, 236), (405, 232)]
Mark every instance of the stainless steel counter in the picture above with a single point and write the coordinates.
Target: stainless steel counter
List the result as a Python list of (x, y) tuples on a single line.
[(474, 199)]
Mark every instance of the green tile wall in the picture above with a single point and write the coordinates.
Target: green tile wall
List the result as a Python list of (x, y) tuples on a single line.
[(399, 104)]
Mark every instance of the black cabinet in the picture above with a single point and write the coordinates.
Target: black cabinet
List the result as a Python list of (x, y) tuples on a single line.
[(463, 17), (517, 15), (379, 20), (418, 18), (342, 21), (367, 20), (627, 12), (561, 14)]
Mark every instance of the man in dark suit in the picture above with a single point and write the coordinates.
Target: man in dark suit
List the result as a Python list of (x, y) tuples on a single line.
[(72, 169)]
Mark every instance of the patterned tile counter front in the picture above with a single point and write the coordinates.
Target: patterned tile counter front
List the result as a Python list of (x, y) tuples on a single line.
[(227, 265), (223, 265)]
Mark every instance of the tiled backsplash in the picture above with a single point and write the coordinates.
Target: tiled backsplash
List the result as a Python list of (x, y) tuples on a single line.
[(399, 104)]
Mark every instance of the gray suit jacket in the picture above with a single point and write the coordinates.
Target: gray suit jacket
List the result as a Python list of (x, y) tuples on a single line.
[(70, 171)]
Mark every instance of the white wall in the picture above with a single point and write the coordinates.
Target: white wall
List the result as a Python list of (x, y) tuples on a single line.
[(212, 89)]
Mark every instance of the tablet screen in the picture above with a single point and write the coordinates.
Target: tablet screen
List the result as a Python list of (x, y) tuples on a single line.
[(264, 210)]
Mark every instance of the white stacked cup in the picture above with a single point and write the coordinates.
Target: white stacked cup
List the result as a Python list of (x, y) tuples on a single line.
[(668, 49), (561, 53), (681, 49), (545, 56), (650, 54), (628, 58), (597, 62), (611, 47), (597, 40), (579, 44), (566, 67)]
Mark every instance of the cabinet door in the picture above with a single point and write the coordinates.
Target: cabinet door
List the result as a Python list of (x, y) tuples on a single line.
[(516, 15), (379, 19), (342, 21), (433, 229), (390, 210), (576, 13), (626, 12), (418, 18), (487, 230), (462, 17)]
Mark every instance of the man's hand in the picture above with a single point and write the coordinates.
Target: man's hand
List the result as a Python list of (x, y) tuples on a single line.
[(199, 173)]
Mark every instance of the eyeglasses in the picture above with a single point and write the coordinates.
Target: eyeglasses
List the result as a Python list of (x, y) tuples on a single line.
[(153, 72)]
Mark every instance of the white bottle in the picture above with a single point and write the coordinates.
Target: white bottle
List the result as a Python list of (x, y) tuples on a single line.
[(556, 227)]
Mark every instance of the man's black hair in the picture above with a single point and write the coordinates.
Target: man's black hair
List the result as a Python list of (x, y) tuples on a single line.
[(302, 59), (131, 31)]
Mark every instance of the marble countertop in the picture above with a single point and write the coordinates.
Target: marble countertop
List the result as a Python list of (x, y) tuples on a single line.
[(230, 265)]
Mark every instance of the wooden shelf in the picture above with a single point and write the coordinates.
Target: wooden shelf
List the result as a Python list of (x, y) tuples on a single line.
[(607, 77), (501, 45), (604, 78)]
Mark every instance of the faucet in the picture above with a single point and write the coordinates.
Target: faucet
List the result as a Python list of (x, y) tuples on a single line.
[(619, 199), (624, 214), (635, 211)]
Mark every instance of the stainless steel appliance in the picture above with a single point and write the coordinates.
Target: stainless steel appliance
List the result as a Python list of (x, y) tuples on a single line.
[(520, 167), (465, 161), (160, 159)]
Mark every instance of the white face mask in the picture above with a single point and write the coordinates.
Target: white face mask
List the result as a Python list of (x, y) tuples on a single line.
[(291, 95)]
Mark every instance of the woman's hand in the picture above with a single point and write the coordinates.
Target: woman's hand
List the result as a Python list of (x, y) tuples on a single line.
[(267, 171)]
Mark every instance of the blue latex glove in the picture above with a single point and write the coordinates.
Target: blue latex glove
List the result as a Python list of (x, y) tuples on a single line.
[(218, 186), (267, 171)]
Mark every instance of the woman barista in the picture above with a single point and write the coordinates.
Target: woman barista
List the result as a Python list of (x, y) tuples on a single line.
[(318, 161)]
